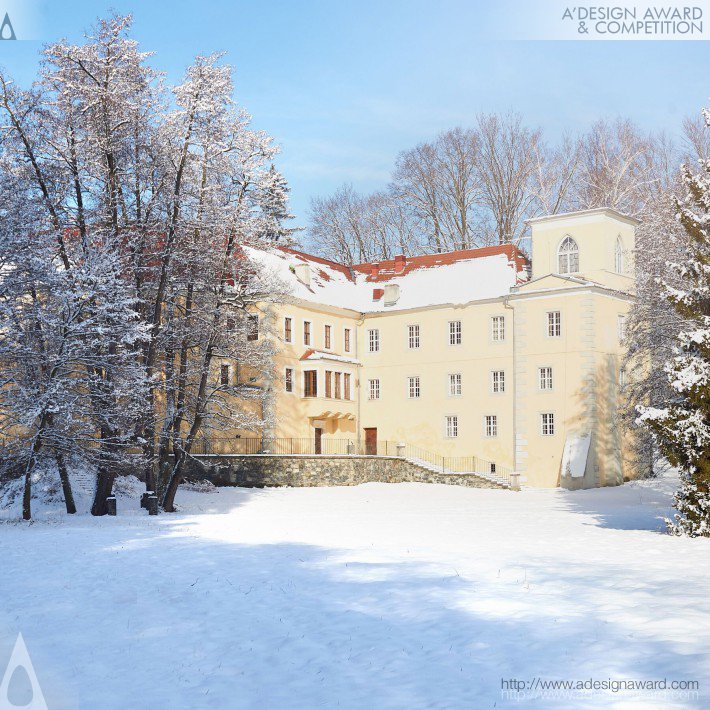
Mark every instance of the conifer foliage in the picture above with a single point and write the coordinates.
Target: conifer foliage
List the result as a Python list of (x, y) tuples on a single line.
[(682, 426)]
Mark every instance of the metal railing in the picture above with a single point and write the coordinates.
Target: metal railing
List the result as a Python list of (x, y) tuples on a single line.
[(437, 463)]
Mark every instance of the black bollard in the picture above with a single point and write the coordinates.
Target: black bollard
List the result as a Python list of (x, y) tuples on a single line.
[(144, 498), (111, 505), (152, 504)]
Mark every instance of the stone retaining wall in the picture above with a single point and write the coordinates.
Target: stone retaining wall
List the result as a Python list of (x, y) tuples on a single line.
[(264, 470)]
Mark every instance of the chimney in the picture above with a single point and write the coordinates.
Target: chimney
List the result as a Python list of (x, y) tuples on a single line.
[(377, 293), (399, 263), (303, 273), (374, 270)]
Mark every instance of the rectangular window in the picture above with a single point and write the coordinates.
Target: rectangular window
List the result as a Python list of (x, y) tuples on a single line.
[(327, 337), (288, 330), (455, 332), (374, 389), (253, 327), (413, 337), (346, 385), (338, 379), (498, 381), (545, 378), (493, 467), (554, 324), (621, 328), (622, 378), (347, 340), (328, 383), (224, 375), (491, 422), (413, 387), (455, 385), (547, 424), (452, 427), (289, 379), (306, 332), (498, 327), (373, 337), (310, 383)]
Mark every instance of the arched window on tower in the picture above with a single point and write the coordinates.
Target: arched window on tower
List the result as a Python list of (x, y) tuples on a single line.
[(619, 256), (568, 257)]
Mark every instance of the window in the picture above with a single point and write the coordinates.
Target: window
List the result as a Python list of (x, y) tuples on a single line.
[(338, 379), (498, 327), (619, 256), (452, 427), (288, 330), (310, 383), (224, 374), (346, 385), (374, 340), (547, 424), (327, 337), (622, 378), (306, 332), (413, 337), (621, 328), (498, 381), (545, 374), (373, 389), (493, 467), (455, 332), (328, 384), (491, 425), (554, 324), (289, 379), (346, 336), (253, 327), (455, 385), (568, 256), (413, 388)]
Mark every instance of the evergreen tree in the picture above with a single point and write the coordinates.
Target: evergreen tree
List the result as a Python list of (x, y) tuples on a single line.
[(682, 426)]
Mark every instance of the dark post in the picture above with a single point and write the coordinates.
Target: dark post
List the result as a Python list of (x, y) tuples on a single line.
[(111, 505), (152, 504)]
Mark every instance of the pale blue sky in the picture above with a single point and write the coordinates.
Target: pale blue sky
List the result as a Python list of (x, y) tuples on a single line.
[(344, 85)]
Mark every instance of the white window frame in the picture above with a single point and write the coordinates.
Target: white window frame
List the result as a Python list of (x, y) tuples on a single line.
[(373, 388), (451, 426), (550, 379), (549, 324), (455, 332), (570, 255), (490, 426), (451, 384), (293, 320), (621, 327), (497, 381), (373, 339), (547, 427), (619, 265), (413, 336), (622, 378), (292, 370), (497, 329), (414, 389)]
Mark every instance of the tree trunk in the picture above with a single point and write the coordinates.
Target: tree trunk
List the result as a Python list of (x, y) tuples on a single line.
[(27, 494), (66, 484), (174, 481), (104, 487)]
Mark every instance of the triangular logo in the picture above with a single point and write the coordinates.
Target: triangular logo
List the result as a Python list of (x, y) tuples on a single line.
[(6, 29), (20, 658)]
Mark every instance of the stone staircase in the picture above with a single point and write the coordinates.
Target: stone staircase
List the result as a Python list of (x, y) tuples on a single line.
[(474, 479)]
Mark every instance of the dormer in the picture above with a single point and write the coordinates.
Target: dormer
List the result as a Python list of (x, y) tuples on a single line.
[(596, 245), (303, 273)]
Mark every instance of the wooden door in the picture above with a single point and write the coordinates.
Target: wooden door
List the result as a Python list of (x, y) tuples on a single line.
[(319, 436), (371, 441)]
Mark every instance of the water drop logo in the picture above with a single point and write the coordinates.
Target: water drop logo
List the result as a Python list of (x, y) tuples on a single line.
[(20, 687), (6, 29)]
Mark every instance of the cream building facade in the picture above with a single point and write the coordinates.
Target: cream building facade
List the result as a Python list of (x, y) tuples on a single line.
[(468, 353)]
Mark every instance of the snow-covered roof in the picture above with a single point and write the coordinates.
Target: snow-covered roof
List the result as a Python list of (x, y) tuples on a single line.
[(433, 279)]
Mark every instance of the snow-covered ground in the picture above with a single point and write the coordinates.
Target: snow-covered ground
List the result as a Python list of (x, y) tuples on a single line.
[(384, 596)]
